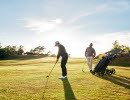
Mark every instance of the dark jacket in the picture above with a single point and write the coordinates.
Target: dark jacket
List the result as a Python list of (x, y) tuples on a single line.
[(62, 51)]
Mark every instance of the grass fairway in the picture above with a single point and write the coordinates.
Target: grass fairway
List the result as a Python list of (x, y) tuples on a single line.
[(24, 79)]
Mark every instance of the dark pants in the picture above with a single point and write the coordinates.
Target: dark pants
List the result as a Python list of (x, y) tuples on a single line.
[(63, 65)]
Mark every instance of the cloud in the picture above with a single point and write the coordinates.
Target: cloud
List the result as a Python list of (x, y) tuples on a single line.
[(88, 13), (116, 6), (80, 16), (42, 25)]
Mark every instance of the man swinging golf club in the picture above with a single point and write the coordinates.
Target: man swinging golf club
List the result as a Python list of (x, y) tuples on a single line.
[(62, 52), (90, 54)]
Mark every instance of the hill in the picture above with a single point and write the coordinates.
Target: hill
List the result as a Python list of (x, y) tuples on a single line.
[(121, 60)]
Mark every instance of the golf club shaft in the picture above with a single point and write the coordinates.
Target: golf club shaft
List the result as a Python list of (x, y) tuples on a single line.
[(48, 79), (83, 65), (52, 69)]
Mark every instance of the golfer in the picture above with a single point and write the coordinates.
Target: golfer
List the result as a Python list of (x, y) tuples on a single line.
[(90, 54), (62, 52)]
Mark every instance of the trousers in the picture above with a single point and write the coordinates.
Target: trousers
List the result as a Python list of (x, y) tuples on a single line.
[(63, 65), (89, 62)]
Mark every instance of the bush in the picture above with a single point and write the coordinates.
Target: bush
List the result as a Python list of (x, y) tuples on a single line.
[(3, 54), (29, 53)]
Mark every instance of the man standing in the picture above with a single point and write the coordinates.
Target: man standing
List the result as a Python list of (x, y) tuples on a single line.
[(62, 52), (90, 54)]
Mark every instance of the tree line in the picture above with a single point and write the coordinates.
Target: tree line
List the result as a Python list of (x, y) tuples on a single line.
[(8, 51), (11, 51)]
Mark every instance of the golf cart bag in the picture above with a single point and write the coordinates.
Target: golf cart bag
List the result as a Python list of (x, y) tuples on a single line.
[(101, 67)]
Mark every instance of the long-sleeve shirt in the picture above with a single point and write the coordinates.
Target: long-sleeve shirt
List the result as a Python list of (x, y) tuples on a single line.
[(90, 52), (62, 51)]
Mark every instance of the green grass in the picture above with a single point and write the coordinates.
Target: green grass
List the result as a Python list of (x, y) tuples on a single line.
[(24, 79)]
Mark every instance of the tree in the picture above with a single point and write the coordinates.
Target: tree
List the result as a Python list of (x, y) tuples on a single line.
[(127, 48), (39, 49), (20, 50), (7, 48), (3, 53), (36, 51), (123, 46), (14, 50), (11, 50), (116, 45)]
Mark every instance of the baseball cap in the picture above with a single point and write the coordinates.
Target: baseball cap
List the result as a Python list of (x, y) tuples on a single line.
[(57, 42)]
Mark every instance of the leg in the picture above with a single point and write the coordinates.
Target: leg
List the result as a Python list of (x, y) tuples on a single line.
[(91, 58), (63, 66), (89, 63)]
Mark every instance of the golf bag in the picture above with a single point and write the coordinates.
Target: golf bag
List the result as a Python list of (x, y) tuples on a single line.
[(101, 67)]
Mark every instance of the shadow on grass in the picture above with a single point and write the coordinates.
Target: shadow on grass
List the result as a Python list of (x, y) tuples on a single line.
[(69, 94), (119, 80), (123, 77)]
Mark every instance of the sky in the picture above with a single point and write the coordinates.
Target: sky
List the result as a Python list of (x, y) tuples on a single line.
[(74, 23)]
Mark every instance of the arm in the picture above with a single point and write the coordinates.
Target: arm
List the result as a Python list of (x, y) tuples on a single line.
[(85, 52), (94, 53), (58, 55)]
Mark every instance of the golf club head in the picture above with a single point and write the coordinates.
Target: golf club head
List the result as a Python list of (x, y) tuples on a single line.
[(83, 71)]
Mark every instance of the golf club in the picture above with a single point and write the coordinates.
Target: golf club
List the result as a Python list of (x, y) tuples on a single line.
[(84, 66), (47, 76)]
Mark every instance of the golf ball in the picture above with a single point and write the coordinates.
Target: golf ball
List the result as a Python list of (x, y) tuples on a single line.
[(47, 76)]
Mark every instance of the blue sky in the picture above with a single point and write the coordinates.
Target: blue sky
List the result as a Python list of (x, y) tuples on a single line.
[(75, 23)]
